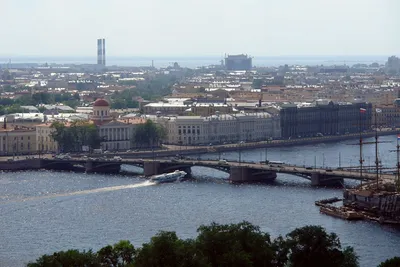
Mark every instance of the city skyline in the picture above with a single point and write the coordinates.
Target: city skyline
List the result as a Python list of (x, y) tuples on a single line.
[(257, 28)]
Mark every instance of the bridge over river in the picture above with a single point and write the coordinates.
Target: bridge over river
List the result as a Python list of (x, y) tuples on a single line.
[(240, 172)]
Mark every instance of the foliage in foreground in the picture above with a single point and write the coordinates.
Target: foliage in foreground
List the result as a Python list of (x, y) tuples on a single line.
[(235, 245)]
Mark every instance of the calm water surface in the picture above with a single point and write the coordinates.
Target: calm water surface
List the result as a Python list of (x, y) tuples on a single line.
[(42, 212)]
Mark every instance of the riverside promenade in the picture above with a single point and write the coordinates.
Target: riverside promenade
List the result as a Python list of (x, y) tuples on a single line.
[(176, 150), (173, 150)]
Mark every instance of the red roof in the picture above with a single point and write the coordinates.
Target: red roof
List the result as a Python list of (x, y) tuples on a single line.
[(101, 103)]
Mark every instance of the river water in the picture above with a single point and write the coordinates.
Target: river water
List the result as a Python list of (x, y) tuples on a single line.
[(43, 212)]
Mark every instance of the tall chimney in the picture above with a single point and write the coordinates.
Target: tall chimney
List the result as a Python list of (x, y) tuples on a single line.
[(104, 52), (99, 52)]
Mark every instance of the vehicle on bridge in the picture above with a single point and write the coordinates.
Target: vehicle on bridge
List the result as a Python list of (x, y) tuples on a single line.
[(272, 162), (222, 162), (168, 177), (97, 151)]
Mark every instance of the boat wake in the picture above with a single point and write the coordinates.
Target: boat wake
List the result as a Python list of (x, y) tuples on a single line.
[(83, 192)]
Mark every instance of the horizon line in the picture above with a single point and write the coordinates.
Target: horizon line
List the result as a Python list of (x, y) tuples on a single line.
[(197, 56)]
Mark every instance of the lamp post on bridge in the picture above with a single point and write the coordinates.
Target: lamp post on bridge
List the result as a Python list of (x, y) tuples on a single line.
[(240, 154), (180, 149)]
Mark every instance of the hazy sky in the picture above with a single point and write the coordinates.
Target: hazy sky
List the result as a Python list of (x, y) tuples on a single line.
[(202, 27)]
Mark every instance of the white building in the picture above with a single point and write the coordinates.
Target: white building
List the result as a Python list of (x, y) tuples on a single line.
[(220, 128), (117, 134)]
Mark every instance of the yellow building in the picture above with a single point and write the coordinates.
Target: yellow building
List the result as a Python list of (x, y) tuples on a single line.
[(16, 140), (44, 141)]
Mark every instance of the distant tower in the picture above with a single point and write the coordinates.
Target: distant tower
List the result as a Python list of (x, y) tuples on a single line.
[(101, 52), (104, 52)]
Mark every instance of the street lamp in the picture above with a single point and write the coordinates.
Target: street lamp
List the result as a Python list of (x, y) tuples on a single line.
[(180, 148), (240, 153)]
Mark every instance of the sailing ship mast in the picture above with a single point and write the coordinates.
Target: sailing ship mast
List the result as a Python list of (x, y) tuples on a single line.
[(398, 164), (376, 150), (362, 110), (361, 143), (397, 182)]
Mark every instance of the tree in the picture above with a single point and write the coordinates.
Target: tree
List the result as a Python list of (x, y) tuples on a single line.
[(393, 262), (234, 245), (167, 250), (240, 244), (121, 254), (312, 246), (67, 258), (76, 135), (149, 134), (257, 83)]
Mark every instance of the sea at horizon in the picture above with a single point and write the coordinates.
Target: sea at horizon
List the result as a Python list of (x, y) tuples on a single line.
[(192, 61)]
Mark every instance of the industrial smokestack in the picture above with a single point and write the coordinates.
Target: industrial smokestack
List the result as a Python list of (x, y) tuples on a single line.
[(99, 52), (104, 52)]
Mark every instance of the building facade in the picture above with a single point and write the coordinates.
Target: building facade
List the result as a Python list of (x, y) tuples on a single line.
[(388, 115), (217, 129), (101, 112), (17, 140), (44, 140), (325, 119), (117, 135)]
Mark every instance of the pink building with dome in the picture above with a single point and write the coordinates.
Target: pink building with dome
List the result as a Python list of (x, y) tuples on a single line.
[(117, 134), (101, 112)]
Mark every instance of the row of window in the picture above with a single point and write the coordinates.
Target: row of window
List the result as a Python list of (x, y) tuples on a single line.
[(17, 138), (15, 147), (102, 113)]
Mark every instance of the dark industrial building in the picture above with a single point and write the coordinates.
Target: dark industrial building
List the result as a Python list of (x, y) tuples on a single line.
[(238, 62), (325, 119)]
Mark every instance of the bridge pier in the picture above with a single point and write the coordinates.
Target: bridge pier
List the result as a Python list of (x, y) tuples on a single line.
[(151, 168), (319, 179), (242, 174)]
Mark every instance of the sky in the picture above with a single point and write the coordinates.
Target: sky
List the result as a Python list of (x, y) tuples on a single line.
[(200, 28)]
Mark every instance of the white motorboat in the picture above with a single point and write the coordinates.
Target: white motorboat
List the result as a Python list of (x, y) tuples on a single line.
[(168, 177)]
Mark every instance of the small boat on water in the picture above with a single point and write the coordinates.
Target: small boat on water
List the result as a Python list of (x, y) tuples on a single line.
[(324, 202), (341, 213), (168, 177)]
